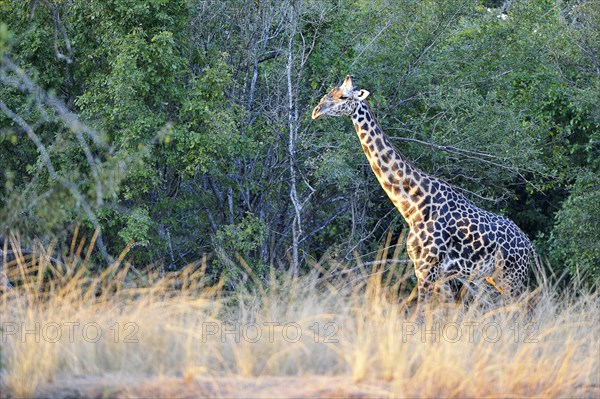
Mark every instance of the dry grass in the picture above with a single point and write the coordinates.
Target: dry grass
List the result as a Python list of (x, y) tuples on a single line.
[(339, 331)]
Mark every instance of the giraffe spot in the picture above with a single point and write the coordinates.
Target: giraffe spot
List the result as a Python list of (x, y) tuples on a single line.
[(430, 258), (478, 254), (453, 267), (416, 191), (379, 144), (426, 212), (425, 184), (386, 186), (364, 126), (421, 201), (385, 158), (376, 170), (395, 167), (466, 252), (430, 227), (366, 150), (363, 134)]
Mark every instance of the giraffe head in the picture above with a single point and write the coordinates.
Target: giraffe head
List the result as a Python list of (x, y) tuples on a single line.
[(341, 100)]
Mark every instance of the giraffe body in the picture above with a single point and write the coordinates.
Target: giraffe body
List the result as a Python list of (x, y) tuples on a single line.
[(449, 236)]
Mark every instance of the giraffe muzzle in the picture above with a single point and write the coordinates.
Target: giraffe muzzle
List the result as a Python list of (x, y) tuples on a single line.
[(316, 112)]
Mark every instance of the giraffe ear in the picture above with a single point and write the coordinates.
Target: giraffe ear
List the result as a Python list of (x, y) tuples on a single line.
[(362, 94), (347, 85)]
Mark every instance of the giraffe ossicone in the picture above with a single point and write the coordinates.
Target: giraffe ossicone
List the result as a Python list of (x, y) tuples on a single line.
[(449, 236)]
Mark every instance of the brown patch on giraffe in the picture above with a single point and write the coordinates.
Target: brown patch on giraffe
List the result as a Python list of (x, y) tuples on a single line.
[(405, 186), (366, 150), (376, 169), (415, 191)]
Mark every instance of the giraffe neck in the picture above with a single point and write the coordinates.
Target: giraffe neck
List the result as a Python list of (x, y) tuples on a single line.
[(407, 186)]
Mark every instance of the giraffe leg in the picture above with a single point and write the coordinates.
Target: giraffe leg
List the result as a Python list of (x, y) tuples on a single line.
[(426, 276), (445, 290), (425, 291)]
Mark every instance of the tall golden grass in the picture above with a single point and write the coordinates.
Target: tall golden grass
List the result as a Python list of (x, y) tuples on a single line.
[(60, 321)]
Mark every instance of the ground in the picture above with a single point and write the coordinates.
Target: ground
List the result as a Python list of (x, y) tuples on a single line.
[(260, 387)]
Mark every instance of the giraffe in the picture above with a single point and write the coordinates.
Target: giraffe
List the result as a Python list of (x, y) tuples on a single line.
[(449, 236)]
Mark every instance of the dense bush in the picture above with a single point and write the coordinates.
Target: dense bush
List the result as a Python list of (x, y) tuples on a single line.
[(183, 126)]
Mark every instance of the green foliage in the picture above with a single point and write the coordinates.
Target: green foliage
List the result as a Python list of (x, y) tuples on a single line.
[(179, 125), (137, 227), (242, 237), (209, 128), (574, 238)]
